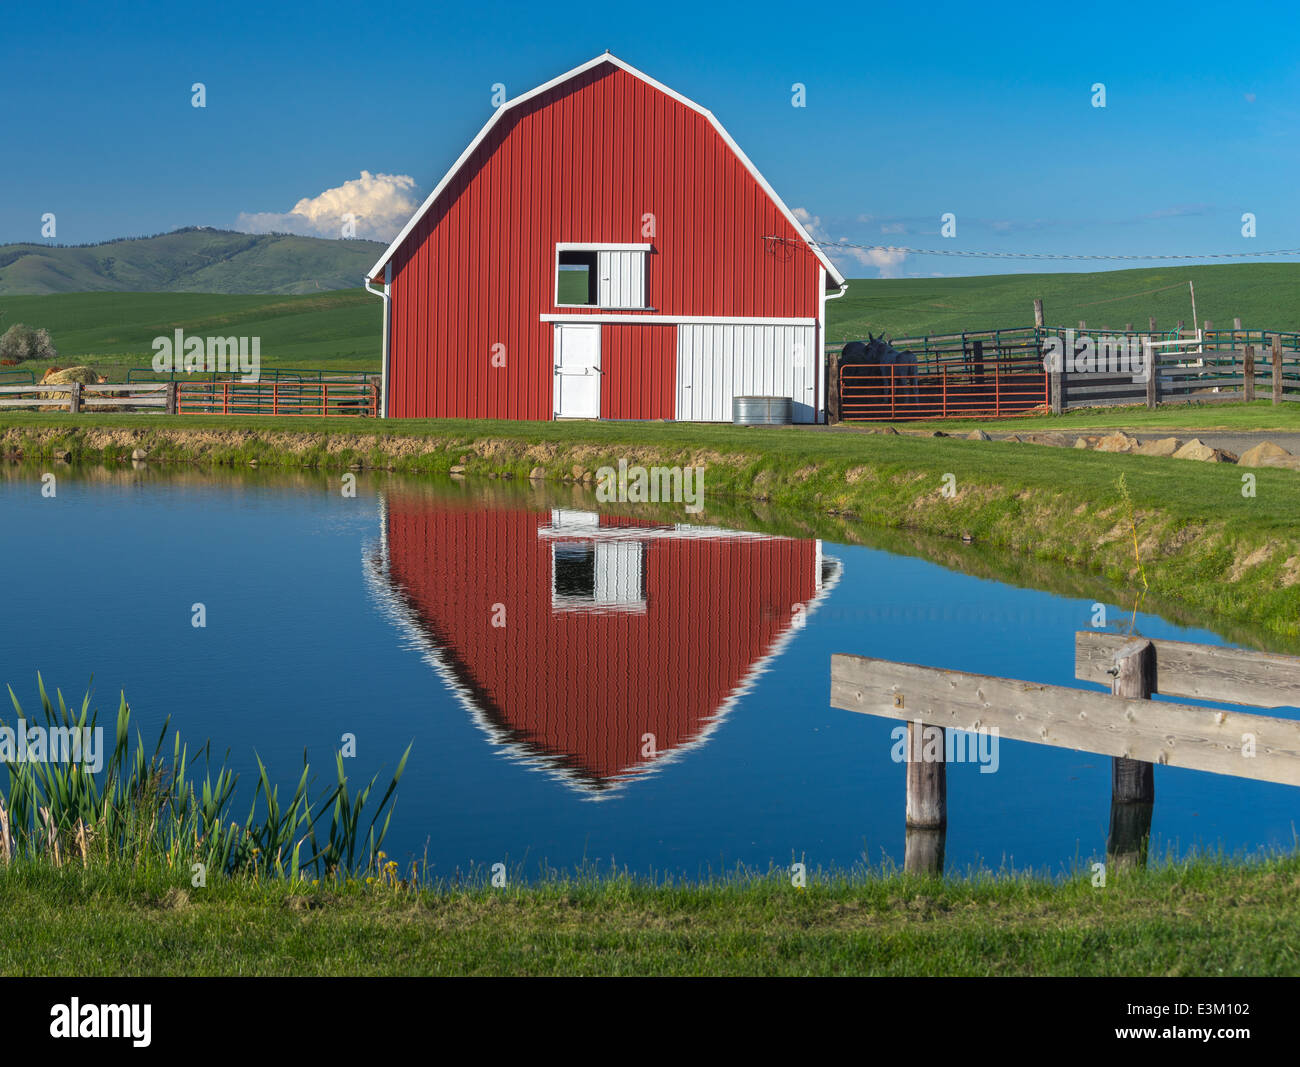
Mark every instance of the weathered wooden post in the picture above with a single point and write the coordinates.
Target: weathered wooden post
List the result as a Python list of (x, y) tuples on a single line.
[(1277, 369), (1236, 324), (74, 399), (1152, 322), (1055, 392), (171, 398), (1128, 327), (1082, 325), (833, 385), (927, 800), (1248, 375), (1132, 782)]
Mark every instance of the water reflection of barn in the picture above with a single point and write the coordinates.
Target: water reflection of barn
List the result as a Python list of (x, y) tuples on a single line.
[(614, 628)]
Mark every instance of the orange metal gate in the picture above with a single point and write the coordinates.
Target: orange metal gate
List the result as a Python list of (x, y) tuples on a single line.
[(903, 391)]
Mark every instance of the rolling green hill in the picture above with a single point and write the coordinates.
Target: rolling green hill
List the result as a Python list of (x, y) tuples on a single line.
[(114, 331), (1262, 295), (195, 260), (341, 330)]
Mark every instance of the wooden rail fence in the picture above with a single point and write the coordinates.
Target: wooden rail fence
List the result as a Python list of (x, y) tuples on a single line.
[(1125, 724), (76, 397)]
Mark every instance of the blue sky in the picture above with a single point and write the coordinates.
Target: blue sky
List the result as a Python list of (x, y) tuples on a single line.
[(913, 110)]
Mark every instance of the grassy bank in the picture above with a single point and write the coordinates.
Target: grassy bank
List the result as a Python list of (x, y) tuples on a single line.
[(1200, 542), (1200, 918)]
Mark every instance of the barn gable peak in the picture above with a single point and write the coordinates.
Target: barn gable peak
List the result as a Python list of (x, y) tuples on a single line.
[(376, 273)]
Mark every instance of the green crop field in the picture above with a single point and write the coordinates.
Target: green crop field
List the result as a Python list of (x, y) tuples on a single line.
[(1262, 295), (113, 331), (340, 330)]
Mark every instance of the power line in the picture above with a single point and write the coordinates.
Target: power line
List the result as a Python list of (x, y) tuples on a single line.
[(831, 246)]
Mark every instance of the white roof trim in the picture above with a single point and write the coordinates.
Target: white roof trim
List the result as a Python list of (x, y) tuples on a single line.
[(831, 270)]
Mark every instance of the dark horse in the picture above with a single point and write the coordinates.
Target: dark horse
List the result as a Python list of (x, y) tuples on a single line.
[(876, 354)]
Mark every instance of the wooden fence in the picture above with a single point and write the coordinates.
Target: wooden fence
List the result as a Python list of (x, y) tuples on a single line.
[(321, 399), (76, 397), (1124, 724)]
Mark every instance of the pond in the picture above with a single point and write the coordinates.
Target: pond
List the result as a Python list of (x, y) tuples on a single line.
[(616, 688)]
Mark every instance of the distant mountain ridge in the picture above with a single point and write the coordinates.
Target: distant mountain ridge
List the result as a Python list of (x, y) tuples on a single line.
[(190, 260)]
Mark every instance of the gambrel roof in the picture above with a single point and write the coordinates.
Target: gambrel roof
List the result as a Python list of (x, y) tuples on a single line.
[(377, 271)]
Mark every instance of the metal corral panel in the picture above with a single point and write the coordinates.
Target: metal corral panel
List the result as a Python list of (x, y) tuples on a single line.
[(716, 363), (596, 159)]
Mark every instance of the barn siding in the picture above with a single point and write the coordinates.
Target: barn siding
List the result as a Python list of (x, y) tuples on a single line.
[(582, 162)]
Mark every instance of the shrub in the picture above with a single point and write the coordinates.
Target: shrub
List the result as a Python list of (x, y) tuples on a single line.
[(23, 342)]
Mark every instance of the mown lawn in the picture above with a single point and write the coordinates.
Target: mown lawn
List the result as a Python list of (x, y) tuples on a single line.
[(1203, 918), (1259, 415)]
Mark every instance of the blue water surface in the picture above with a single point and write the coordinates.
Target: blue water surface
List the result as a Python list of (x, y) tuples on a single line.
[(298, 650)]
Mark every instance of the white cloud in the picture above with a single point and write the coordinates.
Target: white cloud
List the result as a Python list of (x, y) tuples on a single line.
[(380, 203), (889, 261)]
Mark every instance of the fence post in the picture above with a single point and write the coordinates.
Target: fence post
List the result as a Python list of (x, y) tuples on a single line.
[(1153, 376), (927, 801), (1277, 369), (1248, 375), (1132, 782), (171, 398), (74, 399), (1038, 313), (1152, 322), (1236, 324)]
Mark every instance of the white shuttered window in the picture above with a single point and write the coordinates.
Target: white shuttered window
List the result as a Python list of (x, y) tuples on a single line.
[(601, 275)]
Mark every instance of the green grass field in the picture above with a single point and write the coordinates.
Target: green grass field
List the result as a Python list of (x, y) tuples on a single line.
[(341, 330), (1260, 415), (1207, 918), (1262, 295), (115, 331)]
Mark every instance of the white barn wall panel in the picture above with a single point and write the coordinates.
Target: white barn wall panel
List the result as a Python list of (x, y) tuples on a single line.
[(717, 362)]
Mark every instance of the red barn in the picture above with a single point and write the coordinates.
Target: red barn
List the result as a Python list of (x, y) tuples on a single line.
[(610, 628), (602, 249)]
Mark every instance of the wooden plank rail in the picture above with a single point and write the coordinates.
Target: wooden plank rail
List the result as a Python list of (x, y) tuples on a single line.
[(1201, 672), (1178, 735)]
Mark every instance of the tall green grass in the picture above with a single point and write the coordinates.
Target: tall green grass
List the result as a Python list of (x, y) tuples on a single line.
[(147, 808)]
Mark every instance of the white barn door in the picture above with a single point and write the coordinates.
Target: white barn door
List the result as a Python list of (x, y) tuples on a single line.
[(718, 362), (577, 371)]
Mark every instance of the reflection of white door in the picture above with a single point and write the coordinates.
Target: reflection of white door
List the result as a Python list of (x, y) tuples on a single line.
[(577, 371)]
